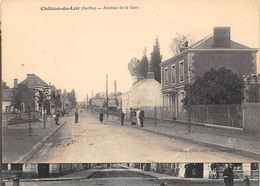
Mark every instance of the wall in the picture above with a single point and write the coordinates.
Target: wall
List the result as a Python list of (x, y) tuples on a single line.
[(239, 62), (169, 65), (147, 94), (252, 119)]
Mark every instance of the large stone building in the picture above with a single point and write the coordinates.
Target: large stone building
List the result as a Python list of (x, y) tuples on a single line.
[(214, 51)]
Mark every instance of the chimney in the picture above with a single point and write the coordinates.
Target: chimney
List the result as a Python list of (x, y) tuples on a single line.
[(186, 45), (150, 75), (15, 83), (222, 37)]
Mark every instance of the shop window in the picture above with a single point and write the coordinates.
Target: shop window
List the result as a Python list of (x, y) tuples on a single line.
[(17, 166)]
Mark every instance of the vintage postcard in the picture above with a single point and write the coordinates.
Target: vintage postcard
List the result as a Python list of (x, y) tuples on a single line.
[(154, 82)]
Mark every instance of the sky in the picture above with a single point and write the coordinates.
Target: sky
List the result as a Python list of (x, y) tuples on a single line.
[(77, 48)]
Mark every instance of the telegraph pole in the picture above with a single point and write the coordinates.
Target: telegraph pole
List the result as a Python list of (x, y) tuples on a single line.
[(92, 103), (107, 92)]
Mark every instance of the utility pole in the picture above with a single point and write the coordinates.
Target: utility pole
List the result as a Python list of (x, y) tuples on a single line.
[(87, 101), (107, 92), (92, 103)]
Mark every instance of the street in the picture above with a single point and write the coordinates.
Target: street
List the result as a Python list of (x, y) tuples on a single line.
[(90, 141)]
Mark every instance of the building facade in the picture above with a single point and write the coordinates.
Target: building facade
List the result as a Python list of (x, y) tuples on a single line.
[(214, 51)]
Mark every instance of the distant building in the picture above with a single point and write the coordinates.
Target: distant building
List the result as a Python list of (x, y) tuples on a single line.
[(7, 99), (214, 51), (31, 83), (146, 94), (45, 170)]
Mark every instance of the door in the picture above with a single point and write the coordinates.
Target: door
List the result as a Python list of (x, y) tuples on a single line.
[(43, 170)]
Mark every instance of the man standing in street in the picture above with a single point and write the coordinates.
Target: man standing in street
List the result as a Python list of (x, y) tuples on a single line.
[(142, 117), (122, 118), (228, 175), (76, 116)]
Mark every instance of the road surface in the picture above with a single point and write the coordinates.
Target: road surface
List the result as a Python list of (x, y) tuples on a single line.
[(89, 141)]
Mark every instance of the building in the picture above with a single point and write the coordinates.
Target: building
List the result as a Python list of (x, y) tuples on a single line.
[(7, 99), (146, 94), (45, 170), (29, 85), (215, 51), (201, 170)]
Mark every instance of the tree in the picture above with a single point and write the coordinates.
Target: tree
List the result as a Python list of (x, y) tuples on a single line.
[(138, 69), (72, 97), (17, 99), (220, 86), (56, 99), (179, 41), (144, 65), (156, 59)]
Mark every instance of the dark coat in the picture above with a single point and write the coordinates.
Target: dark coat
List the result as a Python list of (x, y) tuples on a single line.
[(228, 176), (141, 114)]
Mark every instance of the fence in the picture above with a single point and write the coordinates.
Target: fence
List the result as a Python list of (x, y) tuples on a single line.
[(225, 115)]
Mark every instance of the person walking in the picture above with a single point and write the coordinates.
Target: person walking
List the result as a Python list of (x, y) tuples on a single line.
[(228, 175), (57, 115), (101, 117), (122, 118), (138, 117), (246, 181), (142, 117), (76, 116)]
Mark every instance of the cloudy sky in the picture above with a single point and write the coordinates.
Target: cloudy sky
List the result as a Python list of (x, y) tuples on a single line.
[(76, 48)]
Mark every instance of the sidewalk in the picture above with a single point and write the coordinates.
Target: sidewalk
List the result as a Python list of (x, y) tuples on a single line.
[(219, 139), (16, 140)]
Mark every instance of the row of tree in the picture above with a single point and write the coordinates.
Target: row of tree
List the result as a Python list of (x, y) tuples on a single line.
[(22, 94), (139, 68)]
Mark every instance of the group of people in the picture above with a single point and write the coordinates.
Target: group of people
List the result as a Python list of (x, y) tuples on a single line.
[(139, 115), (228, 175)]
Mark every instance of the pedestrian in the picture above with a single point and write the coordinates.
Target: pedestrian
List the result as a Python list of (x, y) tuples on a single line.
[(131, 116), (246, 181), (101, 117), (122, 118), (57, 115), (214, 168), (76, 116), (228, 175), (138, 117), (142, 117)]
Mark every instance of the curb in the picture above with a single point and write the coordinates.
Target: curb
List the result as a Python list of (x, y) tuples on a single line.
[(38, 146), (217, 147)]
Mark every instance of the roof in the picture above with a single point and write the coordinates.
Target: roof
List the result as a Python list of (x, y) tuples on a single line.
[(206, 44), (136, 85), (139, 83), (97, 101), (37, 81), (7, 95)]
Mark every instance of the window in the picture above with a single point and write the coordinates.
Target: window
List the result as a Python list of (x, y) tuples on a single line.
[(181, 71), (173, 74), (166, 76)]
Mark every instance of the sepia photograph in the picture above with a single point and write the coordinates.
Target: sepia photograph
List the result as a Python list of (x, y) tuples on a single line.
[(132, 174), (90, 85)]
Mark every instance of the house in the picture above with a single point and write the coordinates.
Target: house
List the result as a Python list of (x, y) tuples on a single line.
[(7, 100), (215, 51), (146, 94), (29, 85)]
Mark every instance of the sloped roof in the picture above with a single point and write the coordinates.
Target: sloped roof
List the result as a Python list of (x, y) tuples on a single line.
[(37, 81), (136, 85), (207, 44), (7, 95)]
